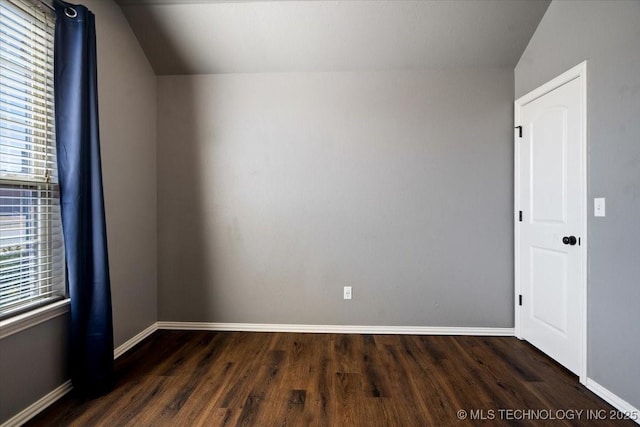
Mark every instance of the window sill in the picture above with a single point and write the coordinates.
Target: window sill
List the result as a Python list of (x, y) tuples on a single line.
[(34, 317)]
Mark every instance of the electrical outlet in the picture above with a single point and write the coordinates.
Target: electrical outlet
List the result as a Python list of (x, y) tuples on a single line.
[(347, 292), (598, 206)]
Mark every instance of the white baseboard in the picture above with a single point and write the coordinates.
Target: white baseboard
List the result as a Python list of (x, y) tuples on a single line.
[(44, 402), (51, 397), (40, 405), (614, 400), (336, 329), (129, 344)]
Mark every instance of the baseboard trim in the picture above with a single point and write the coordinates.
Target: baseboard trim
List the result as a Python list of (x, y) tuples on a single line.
[(51, 397), (129, 344), (614, 400), (336, 329), (40, 405), (44, 402)]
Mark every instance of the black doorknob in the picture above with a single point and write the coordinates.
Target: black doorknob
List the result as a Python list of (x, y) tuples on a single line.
[(569, 240)]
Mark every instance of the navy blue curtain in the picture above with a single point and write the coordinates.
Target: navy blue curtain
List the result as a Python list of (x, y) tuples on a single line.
[(82, 202)]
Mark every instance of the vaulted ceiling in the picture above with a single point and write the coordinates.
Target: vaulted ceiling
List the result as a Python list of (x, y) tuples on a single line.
[(207, 37)]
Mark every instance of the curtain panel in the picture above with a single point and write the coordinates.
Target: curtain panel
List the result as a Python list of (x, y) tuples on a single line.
[(82, 200)]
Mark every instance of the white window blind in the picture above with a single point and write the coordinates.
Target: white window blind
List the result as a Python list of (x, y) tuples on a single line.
[(31, 245)]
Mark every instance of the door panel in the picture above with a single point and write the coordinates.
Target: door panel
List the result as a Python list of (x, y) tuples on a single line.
[(549, 289), (549, 166), (550, 191)]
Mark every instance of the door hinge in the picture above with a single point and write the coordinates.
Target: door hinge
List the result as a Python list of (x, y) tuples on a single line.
[(520, 299), (519, 131), (520, 216)]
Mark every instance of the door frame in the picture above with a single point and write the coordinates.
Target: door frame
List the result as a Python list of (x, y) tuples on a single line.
[(577, 72)]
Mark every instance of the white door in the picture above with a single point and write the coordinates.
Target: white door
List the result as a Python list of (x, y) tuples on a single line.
[(551, 221)]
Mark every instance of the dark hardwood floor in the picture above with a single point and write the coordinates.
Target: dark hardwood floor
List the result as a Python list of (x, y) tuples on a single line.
[(275, 379)]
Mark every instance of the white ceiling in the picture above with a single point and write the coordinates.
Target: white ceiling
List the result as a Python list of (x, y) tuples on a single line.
[(207, 37)]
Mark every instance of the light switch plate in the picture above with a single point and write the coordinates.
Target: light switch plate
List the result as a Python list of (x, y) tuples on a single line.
[(598, 206)]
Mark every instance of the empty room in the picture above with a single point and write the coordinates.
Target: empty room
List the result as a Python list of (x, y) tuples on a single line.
[(319, 212)]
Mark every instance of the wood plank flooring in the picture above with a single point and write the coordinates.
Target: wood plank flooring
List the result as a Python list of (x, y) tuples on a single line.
[(177, 378)]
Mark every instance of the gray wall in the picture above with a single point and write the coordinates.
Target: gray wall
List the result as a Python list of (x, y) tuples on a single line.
[(607, 33), (276, 190), (127, 90), (127, 129), (32, 363)]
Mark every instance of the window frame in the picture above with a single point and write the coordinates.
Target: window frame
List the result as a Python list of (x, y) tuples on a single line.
[(49, 282)]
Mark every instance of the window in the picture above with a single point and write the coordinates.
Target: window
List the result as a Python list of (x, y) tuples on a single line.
[(31, 245)]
